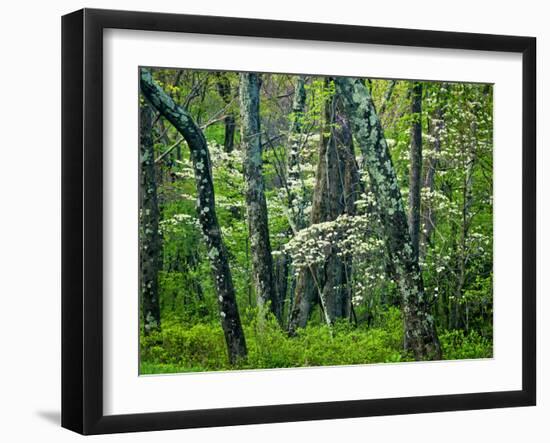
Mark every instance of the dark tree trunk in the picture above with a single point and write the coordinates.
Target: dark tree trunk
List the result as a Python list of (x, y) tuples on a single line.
[(260, 247), (340, 183), (281, 266), (150, 240), (305, 295), (224, 89), (415, 171), (229, 137), (420, 333), (227, 302)]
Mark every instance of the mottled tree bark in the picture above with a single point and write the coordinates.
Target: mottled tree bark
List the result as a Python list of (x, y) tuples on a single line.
[(224, 89), (420, 333), (206, 208), (149, 236), (260, 246), (415, 171), (387, 97), (295, 141)]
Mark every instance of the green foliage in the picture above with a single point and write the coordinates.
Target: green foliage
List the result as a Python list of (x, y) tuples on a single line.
[(457, 346), (201, 347)]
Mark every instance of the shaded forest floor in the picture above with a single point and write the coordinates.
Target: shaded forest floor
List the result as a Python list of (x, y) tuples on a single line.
[(201, 347)]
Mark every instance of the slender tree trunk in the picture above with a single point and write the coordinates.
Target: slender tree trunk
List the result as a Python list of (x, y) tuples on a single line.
[(281, 268), (415, 172), (420, 333), (224, 89), (467, 198), (260, 247), (295, 141), (206, 208), (296, 197), (150, 241), (435, 128)]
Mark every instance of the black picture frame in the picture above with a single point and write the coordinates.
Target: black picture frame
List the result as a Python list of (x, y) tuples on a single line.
[(82, 218)]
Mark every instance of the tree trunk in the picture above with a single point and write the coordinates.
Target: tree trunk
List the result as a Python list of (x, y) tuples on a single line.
[(227, 302), (224, 89), (436, 127), (336, 180), (295, 141), (150, 240), (260, 247), (281, 267), (420, 333), (387, 98), (415, 171)]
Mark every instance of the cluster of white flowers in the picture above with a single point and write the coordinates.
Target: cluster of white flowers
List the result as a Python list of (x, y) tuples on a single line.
[(345, 236), (171, 224), (220, 157)]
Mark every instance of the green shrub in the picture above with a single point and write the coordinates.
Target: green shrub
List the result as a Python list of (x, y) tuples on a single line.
[(179, 347), (199, 345), (456, 345)]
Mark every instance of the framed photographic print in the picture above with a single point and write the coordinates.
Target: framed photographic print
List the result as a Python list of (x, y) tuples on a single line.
[(269, 221)]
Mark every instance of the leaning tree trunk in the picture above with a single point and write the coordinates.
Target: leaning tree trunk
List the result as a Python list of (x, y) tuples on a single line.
[(219, 262), (150, 240), (415, 171), (260, 247), (420, 333)]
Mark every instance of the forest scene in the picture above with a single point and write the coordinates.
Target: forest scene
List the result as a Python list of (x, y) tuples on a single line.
[(303, 220)]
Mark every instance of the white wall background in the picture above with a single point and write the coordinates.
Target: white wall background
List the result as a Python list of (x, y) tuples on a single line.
[(30, 219)]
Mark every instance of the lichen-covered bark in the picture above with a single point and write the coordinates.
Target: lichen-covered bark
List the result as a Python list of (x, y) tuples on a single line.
[(260, 246), (149, 236), (227, 302), (295, 141), (387, 98), (415, 171), (420, 333)]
